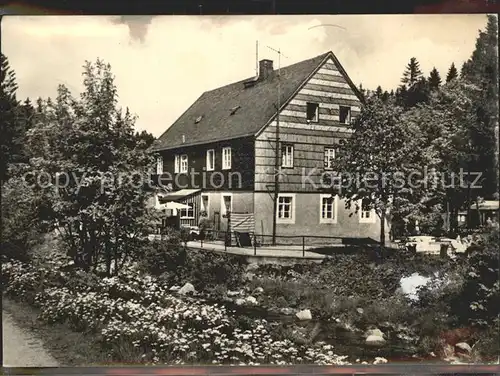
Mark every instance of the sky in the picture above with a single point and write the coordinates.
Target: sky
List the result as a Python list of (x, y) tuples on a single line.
[(162, 64)]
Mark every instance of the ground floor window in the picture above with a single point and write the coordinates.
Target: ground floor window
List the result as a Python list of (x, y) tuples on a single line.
[(286, 208), (328, 208), (187, 213)]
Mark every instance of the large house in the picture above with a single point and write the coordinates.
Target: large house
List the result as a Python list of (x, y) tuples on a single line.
[(220, 154)]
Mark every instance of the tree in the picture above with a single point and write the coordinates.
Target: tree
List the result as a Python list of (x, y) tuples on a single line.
[(98, 170), (412, 73), (452, 73), (434, 79), (481, 70), (8, 117), (374, 164)]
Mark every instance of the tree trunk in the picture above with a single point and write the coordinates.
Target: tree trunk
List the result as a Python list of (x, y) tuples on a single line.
[(382, 228)]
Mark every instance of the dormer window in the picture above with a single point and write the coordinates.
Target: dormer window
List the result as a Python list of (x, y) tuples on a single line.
[(312, 112)]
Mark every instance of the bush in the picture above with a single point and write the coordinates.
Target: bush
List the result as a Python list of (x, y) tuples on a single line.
[(21, 229)]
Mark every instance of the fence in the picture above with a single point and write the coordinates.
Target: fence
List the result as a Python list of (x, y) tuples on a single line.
[(298, 243)]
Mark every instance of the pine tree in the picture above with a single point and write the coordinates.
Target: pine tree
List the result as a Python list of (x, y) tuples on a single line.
[(434, 79), (412, 73), (379, 91), (452, 73), (482, 71)]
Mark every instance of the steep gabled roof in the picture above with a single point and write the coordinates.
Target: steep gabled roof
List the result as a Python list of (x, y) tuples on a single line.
[(235, 111)]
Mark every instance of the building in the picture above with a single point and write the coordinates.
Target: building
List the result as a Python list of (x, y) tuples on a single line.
[(219, 155)]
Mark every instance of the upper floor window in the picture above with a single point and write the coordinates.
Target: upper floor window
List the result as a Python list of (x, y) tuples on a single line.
[(181, 163), (159, 165), (210, 160), (287, 156), (329, 156), (312, 111), (345, 114), (226, 158)]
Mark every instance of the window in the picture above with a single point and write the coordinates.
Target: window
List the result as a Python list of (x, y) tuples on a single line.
[(345, 114), (328, 209), (159, 165), (226, 203), (187, 213), (366, 214), (205, 203), (329, 156), (210, 160), (287, 156), (286, 208), (312, 112), (226, 158), (181, 164)]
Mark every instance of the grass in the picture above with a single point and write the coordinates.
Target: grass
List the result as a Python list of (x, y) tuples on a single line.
[(69, 348)]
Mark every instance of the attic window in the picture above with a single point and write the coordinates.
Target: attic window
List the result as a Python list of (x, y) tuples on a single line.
[(312, 112), (234, 109), (198, 119)]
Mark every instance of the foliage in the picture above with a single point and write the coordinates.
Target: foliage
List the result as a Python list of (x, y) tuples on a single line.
[(452, 73), (97, 170), (479, 300), (20, 223), (380, 178), (177, 265), (434, 79)]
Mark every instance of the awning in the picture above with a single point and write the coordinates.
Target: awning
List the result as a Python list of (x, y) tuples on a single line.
[(178, 195), (487, 205)]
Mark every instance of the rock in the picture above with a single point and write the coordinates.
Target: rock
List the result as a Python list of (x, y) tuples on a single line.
[(375, 340), (360, 311), (304, 315), (258, 290), (464, 347), (375, 332), (174, 288), (251, 300), (248, 276), (287, 311), (252, 266), (379, 360), (187, 288), (240, 301), (233, 293)]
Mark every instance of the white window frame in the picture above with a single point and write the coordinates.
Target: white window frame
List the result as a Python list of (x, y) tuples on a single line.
[(222, 205), (328, 158), (181, 211), (287, 155), (159, 165), (177, 163), (334, 208), (362, 214), (226, 162), (349, 114), (210, 160), (183, 164), (316, 114), (292, 209), (202, 206)]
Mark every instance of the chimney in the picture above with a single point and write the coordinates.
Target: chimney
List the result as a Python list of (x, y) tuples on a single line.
[(265, 69)]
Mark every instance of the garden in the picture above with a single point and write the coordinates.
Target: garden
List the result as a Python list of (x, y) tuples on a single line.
[(181, 306)]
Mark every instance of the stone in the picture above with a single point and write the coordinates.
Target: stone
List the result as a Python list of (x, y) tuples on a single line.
[(375, 332), (287, 311), (304, 315), (379, 360), (251, 300), (240, 301), (373, 340), (174, 288), (233, 293), (360, 311), (464, 347), (258, 290), (186, 289)]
